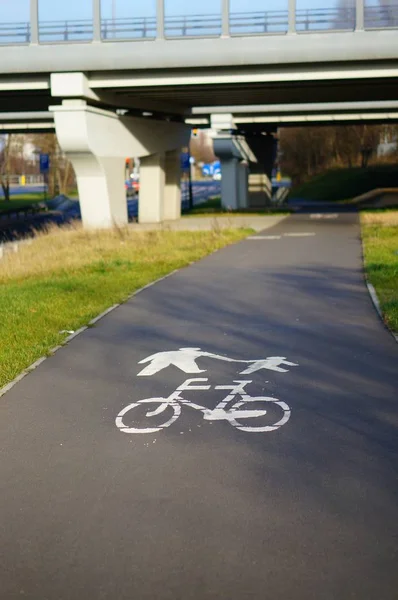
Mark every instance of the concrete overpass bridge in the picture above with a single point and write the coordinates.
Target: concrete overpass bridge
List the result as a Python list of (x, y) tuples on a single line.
[(132, 85)]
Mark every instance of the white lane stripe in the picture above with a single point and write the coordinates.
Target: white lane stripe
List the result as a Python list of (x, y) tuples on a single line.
[(324, 216), (304, 234), (265, 237)]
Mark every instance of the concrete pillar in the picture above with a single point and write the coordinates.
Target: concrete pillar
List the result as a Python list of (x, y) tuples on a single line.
[(243, 184), (232, 150), (172, 190), (98, 141), (152, 189), (229, 183), (101, 189)]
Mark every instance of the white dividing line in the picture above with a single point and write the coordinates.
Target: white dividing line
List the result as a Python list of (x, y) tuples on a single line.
[(264, 237), (51, 352), (303, 234), (324, 216)]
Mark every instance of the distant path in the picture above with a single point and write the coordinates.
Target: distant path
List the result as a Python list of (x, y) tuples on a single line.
[(206, 508)]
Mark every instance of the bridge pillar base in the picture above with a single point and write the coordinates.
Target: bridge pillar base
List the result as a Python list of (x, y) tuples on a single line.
[(172, 190), (152, 183), (98, 142), (243, 184), (101, 190), (234, 155), (229, 183), (160, 193)]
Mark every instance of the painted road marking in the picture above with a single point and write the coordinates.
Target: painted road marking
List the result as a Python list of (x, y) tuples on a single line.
[(185, 360), (235, 407), (298, 234), (264, 237), (243, 409), (324, 216)]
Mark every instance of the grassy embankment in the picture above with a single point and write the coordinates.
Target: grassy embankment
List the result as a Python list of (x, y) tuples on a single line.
[(380, 242), (341, 184), (65, 278), (20, 202), (26, 201), (213, 207)]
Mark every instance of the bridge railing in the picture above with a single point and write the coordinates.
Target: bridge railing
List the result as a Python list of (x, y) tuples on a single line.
[(66, 31), (136, 27), (318, 19), (381, 16), (376, 16), (275, 21), (15, 33)]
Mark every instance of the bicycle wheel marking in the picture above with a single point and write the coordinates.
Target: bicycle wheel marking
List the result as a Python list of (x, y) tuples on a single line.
[(238, 408), (161, 401)]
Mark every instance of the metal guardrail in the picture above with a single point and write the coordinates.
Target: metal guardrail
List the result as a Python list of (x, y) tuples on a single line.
[(381, 17), (66, 30), (14, 33), (264, 22), (259, 22), (316, 19), (137, 27)]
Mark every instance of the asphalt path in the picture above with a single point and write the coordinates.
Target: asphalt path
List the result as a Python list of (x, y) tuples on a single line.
[(296, 503)]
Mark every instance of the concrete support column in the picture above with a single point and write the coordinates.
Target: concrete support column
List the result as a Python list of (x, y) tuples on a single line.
[(101, 189), (234, 154), (243, 184), (230, 183), (152, 189), (98, 141), (172, 190)]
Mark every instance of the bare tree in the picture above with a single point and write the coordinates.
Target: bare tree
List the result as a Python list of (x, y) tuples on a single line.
[(61, 176), (201, 148), (5, 167), (307, 151)]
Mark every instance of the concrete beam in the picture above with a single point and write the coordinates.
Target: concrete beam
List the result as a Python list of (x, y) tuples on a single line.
[(77, 85), (319, 117), (27, 116), (240, 76), (219, 53), (309, 107)]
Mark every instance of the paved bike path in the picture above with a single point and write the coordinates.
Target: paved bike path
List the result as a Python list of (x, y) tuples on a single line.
[(202, 510)]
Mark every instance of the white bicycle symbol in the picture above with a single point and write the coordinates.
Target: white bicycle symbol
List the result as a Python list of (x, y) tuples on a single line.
[(241, 410)]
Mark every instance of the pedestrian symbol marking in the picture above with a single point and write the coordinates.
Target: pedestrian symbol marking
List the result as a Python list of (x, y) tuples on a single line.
[(185, 360)]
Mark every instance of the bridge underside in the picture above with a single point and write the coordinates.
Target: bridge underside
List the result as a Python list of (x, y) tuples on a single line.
[(324, 79)]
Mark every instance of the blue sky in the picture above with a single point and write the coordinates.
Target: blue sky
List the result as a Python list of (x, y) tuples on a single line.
[(18, 10)]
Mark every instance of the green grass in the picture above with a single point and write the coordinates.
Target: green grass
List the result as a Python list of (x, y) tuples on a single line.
[(20, 202), (380, 241), (213, 207), (64, 279), (340, 184)]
